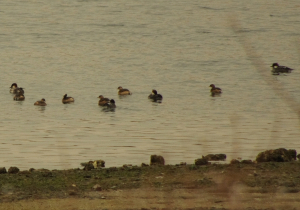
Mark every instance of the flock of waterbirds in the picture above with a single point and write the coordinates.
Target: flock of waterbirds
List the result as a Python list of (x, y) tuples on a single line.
[(104, 102), (110, 103)]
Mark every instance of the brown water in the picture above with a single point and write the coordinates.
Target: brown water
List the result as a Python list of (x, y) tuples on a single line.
[(88, 48)]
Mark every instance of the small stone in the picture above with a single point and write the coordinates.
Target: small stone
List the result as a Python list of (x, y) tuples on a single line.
[(182, 163), (97, 187), (13, 170), (215, 157), (201, 161), (31, 169), (157, 160), (72, 192), (3, 170)]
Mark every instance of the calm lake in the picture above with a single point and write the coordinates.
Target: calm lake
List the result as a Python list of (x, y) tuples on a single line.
[(87, 48)]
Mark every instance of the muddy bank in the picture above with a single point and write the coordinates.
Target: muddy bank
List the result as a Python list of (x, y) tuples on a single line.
[(102, 183), (272, 181)]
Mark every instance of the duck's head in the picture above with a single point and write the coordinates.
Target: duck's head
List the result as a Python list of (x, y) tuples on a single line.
[(65, 96), (212, 85), (14, 85), (43, 100), (120, 88), (154, 92), (112, 101), (101, 96), (275, 65)]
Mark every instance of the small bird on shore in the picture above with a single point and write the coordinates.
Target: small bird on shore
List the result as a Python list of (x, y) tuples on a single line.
[(276, 69), (123, 91), (103, 101), (42, 102), (155, 96), (67, 99), (215, 90)]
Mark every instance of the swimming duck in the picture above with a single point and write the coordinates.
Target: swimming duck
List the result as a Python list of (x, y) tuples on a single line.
[(13, 87), (19, 90), (154, 96), (42, 102), (19, 97), (123, 91), (280, 69), (111, 104), (67, 99), (103, 101), (214, 89)]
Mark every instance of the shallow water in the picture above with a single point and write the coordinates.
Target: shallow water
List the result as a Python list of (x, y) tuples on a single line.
[(88, 48)]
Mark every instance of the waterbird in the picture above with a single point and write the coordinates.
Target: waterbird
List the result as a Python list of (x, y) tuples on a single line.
[(155, 96), (42, 102), (123, 91), (67, 99), (215, 90), (102, 100), (276, 69)]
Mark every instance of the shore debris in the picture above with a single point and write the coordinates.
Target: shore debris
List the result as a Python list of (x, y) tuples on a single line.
[(201, 161), (157, 160), (215, 157), (93, 164), (277, 155), (97, 187), (3, 170), (13, 170)]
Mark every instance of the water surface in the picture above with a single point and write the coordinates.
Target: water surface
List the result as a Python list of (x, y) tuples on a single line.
[(89, 48)]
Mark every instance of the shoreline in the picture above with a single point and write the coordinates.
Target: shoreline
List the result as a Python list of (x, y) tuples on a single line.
[(222, 186)]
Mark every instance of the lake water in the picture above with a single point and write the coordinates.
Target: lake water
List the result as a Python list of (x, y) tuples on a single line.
[(87, 48)]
